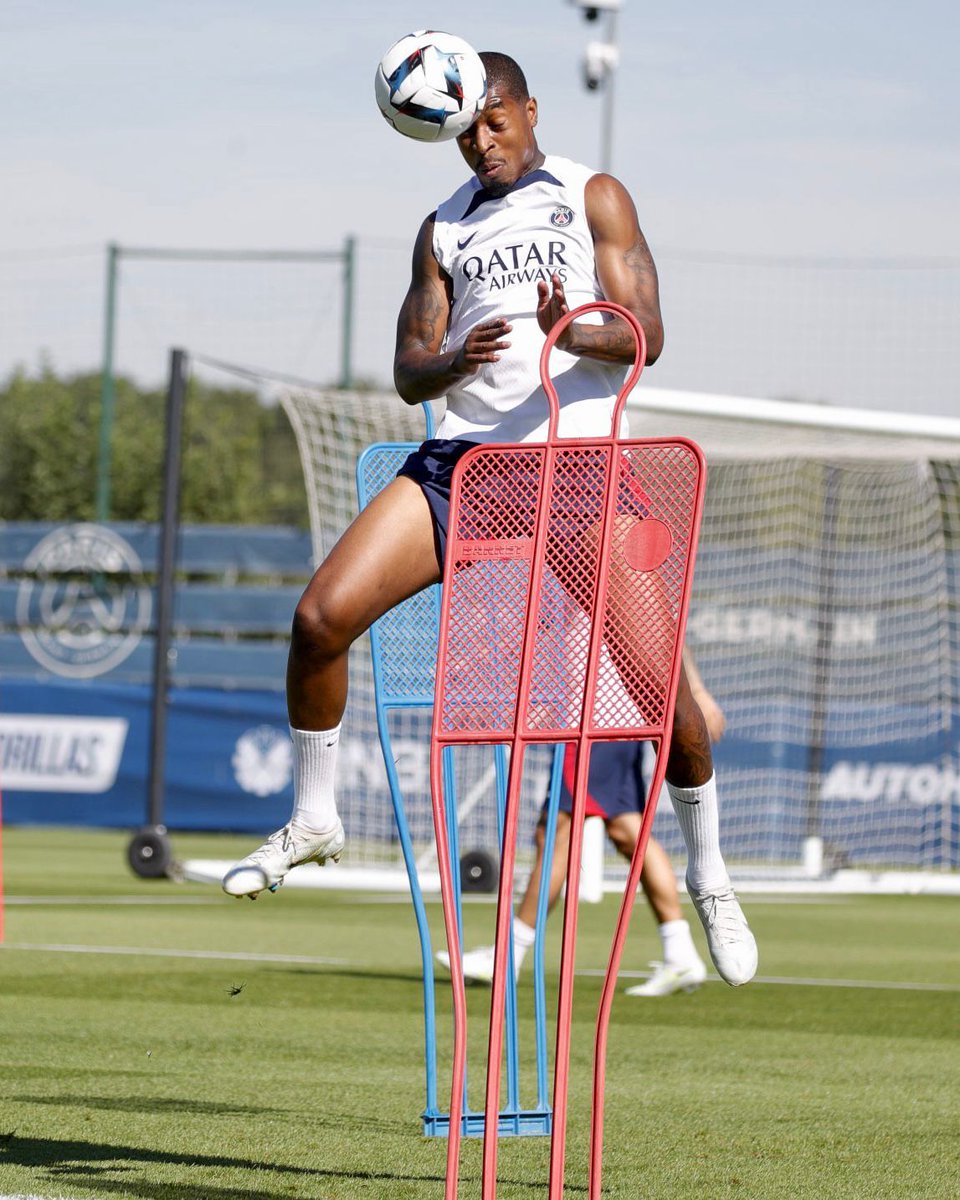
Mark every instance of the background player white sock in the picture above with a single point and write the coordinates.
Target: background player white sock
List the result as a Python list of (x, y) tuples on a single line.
[(699, 818), (314, 764), (523, 939), (678, 947)]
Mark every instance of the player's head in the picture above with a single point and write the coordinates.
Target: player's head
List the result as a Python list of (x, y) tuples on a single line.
[(500, 145)]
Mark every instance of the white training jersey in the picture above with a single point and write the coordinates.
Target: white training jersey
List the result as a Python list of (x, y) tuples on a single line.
[(495, 249)]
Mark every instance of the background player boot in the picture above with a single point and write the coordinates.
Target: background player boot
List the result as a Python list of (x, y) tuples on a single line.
[(732, 945), (288, 847), (668, 978), (477, 964)]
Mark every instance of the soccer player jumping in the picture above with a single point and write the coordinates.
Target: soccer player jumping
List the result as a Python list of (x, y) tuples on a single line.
[(527, 238)]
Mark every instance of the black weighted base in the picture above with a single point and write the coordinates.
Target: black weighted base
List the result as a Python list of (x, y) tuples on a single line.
[(149, 853), (479, 871)]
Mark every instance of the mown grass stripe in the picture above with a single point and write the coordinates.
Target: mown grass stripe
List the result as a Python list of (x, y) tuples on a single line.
[(159, 952), (316, 960)]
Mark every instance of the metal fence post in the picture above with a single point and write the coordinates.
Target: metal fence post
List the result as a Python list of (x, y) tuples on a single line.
[(107, 387)]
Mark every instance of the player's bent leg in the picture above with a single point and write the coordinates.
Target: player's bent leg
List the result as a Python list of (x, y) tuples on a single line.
[(638, 621), (385, 556), (692, 788)]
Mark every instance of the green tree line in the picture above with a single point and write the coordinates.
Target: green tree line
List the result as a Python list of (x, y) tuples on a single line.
[(240, 462)]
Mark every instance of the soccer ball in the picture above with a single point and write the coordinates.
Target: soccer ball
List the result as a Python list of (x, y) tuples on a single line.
[(431, 85)]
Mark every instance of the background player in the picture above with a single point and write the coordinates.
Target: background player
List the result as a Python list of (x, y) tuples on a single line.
[(616, 792), (494, 269)]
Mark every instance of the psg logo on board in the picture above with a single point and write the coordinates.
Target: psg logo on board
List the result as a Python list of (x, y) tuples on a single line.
[(561, 216), (83, 605)]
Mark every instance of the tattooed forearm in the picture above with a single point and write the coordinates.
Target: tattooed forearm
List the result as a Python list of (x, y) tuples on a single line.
[(628, 275), (425, 315), (421, 370), (613, 342)]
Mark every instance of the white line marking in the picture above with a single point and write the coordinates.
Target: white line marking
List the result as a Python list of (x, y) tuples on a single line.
[(860, 983), (791, 981), (153, 952), (316, 960)]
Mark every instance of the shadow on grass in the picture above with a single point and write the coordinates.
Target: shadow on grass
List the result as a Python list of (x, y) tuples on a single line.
[(407, 976), (147, 1104), (179, 1106), (42, 1071), (87, 1165)]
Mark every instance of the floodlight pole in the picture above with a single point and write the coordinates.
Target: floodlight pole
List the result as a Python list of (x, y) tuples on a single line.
[(601, 60), (606, 151)]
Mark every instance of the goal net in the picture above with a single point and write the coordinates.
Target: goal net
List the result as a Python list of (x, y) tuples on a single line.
[(824, 621)]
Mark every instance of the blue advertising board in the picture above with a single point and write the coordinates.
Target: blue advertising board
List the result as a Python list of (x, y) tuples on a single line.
[(77, 610)]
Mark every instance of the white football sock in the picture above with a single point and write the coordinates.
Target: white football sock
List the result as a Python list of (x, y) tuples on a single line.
[(699, 818), (523, 939), (314, 764), (678, 947)]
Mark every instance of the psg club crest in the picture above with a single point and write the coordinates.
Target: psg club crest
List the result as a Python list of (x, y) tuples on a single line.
[(561, 216), (83, 605)]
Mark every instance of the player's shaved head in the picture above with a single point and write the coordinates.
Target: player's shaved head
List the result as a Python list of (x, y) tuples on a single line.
[(505, 72), (500, 145)]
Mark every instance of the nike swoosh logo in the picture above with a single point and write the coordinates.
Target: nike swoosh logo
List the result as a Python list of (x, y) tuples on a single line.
[(462, 244)]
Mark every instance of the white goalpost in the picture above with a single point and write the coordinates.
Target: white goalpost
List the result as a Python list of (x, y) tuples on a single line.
[(824, 620)]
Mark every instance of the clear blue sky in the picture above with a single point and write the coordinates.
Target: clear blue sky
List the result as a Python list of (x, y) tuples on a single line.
[(820, 129)]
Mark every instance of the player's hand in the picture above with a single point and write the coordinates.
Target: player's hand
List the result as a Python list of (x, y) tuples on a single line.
[(483, 344), (551, 306)]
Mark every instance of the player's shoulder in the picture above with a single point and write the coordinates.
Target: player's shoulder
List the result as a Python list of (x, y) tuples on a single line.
[(567, 171), (577, 179), (605, 196), (452, 210), (447, 221)]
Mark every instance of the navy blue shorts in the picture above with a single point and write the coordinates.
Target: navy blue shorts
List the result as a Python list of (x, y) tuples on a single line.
[(614, 784), (431, 466)]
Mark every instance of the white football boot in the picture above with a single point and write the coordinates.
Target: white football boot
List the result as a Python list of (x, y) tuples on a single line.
[(477, 964), (732, 946), (266, 868), (668, 978)]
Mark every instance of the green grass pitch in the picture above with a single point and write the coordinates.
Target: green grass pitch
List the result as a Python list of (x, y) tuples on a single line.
[(154, 1067)]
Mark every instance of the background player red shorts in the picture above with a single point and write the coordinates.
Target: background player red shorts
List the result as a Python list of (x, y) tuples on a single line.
[(615, 781)]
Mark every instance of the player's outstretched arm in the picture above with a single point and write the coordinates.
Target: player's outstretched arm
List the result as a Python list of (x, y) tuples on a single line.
[(627, 275), (420, 370)]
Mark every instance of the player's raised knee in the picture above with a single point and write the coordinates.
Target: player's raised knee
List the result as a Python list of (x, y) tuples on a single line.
[(323, 626)]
